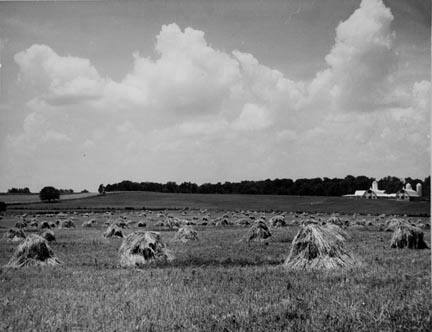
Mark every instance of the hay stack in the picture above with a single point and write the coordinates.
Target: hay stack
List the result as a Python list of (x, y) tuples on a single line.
[(20, 224), (361, 222), (278, 221), (14, 235), (34, 224), (45, 225), (334, 220), (121, 224), (172, 223), (258, 232), (141, 224), (222, 222), (319, 247), (66, 224), (190, 223), (113, 231), (141, 248), (33, 251), (243, 222), (49, 236), (393, 224), (407, 236), (425, 226), (87, 223), (186, 234)]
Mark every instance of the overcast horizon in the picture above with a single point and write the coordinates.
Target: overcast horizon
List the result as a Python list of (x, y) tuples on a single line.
[(100, 92)]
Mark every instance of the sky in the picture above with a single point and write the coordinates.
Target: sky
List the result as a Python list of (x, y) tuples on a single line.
[(208, 91)]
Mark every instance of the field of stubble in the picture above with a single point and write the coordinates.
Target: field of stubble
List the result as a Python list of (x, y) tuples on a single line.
[(217, 283)]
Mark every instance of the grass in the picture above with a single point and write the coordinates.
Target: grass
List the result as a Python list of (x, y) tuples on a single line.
[(138, 200), (217, 283)]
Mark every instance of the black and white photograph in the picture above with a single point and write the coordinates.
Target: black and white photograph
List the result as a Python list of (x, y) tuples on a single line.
[(215, 165)]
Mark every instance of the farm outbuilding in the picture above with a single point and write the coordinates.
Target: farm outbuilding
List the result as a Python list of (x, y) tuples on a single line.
[(408, 194), (372, 193)]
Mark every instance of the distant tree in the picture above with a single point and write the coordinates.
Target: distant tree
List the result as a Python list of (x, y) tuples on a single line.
[(188, 188), (390, 184), (2, 206), (49, 194), (101, 189), (171, 187), (66, 191), (19, 191), (84, 191), (427, 187)]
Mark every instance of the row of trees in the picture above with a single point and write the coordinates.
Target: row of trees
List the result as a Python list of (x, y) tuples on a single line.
[(19, 191), (303, 187), (26, 190), (66, 191)]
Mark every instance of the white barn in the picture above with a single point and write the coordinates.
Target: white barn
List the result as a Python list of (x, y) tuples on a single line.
[(372, 193), (408, 194)]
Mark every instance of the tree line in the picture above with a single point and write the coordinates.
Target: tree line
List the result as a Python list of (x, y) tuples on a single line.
[(302, 187), (26, 190), (19, 191)]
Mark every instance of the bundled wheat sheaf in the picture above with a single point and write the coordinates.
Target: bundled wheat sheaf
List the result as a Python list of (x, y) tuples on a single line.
[(407, 236), (113, 231), (43, 225), (14, 235), (67, 224), (49, 236), (141, 248), (278, 221), (32, 252), (319, 247), (88, 223), (334, 220), (392, 224), (258, 231), (186, 234)]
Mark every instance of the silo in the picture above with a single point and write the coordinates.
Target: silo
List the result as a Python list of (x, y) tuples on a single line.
[(419, 189)]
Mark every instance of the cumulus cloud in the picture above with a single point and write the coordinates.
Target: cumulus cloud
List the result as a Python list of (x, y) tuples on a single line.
[(60, 79), (361, 61), (252, 117), (193, 111)]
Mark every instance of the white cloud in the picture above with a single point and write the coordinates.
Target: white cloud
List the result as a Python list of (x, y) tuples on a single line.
[(361, 61), (62, 79), (252, 117), (194, 111)]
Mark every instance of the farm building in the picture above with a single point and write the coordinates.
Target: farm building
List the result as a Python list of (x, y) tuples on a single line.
[(408, 194), (372, 193)]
